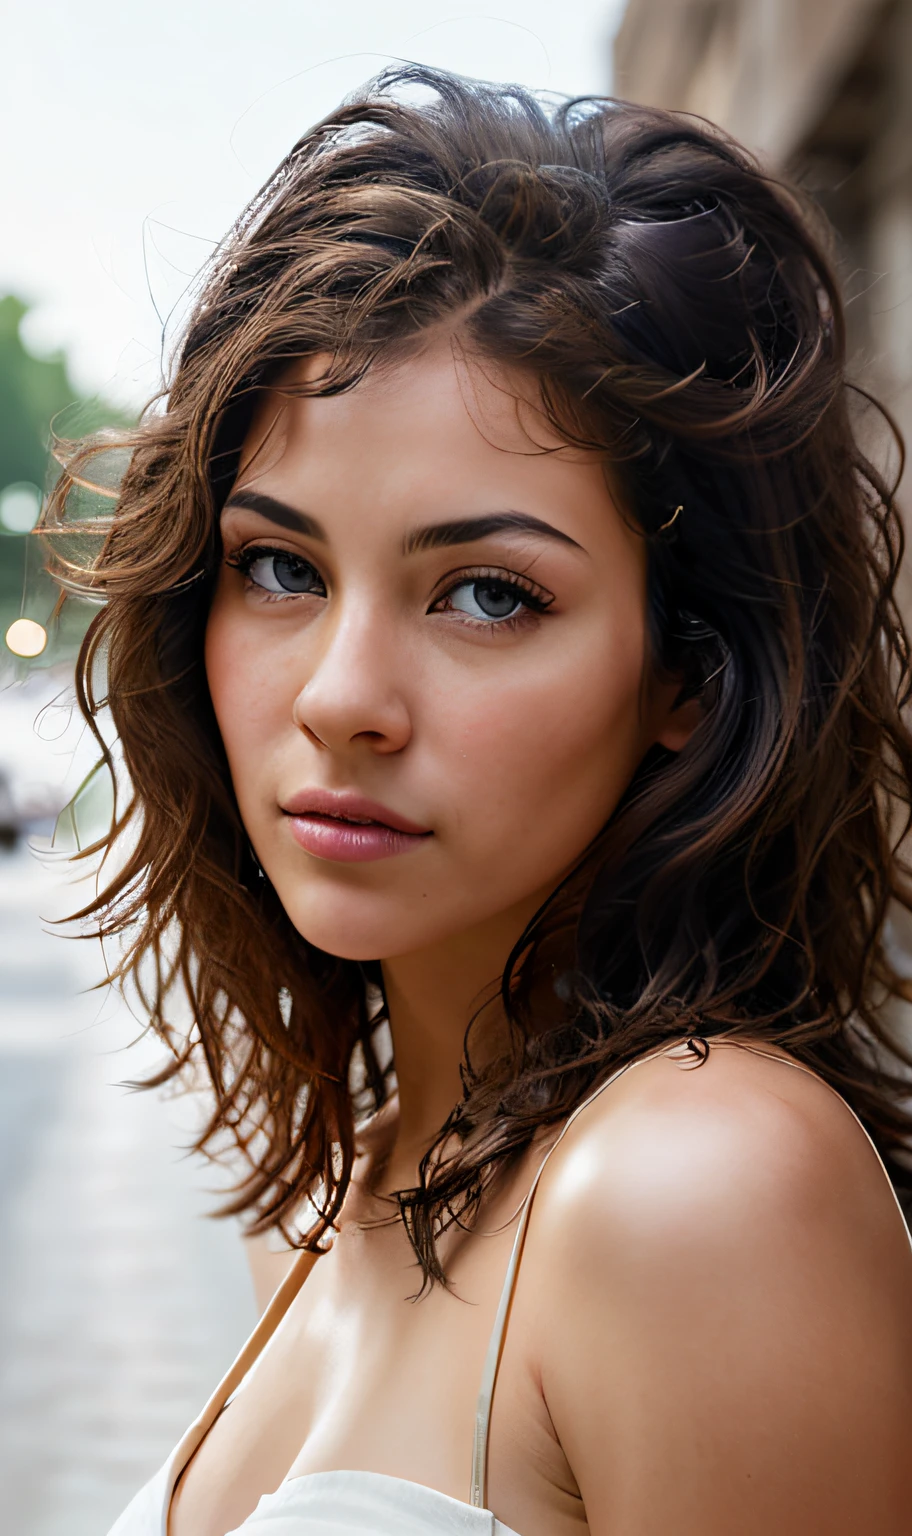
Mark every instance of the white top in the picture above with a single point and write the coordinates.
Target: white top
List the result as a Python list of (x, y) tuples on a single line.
[(369, 1503), (328, 1504)]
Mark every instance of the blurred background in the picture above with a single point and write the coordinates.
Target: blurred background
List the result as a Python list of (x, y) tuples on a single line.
[(133, 137)]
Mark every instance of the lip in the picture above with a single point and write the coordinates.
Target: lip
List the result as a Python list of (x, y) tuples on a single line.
[(348, 828)]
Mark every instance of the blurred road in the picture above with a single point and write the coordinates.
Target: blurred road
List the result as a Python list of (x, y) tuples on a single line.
[(120, 1305)]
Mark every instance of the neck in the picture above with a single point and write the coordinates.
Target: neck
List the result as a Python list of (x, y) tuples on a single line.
[(431, 997)]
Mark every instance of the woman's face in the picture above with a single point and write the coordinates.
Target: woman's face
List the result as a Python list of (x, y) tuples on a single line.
[(426, 653)]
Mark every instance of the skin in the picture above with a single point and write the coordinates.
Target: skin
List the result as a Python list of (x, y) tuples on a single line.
[(712, 1329)]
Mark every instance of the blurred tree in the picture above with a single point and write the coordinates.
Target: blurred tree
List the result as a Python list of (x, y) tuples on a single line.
[(32, 392)]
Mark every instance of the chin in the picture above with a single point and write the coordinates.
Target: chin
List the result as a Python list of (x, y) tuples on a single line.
[(382, 925), (372, 929)]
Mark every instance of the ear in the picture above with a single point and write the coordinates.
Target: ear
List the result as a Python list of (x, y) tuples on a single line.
[(679, 725), (670, 725)]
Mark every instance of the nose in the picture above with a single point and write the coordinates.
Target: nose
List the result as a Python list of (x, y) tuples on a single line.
[(354, 694)]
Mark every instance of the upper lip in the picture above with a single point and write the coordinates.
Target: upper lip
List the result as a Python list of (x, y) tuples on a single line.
[(345, 805)]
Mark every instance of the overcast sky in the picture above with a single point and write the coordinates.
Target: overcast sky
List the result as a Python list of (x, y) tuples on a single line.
[(133, 134)]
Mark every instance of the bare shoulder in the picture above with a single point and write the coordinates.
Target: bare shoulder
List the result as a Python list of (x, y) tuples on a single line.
[(680, 1147), (730, 1287)]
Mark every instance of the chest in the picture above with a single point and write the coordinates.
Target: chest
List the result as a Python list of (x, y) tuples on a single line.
[(365, 1374)]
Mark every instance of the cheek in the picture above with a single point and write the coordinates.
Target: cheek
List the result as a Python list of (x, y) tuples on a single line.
[(545, 758), (245, 691)]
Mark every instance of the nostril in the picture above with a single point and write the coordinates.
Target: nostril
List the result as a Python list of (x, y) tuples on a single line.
[(311, 734)]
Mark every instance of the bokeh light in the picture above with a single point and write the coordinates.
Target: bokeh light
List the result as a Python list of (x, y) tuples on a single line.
[(20, 506), (26, 638)]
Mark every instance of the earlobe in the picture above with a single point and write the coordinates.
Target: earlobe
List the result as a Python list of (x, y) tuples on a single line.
[(679, 725)]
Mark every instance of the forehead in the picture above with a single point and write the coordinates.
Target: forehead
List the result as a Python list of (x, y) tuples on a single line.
[(436, 400), (433, 436)]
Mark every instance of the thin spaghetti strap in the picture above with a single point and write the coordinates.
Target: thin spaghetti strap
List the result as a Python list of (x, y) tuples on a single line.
[(479, 1484), (249, 1354)]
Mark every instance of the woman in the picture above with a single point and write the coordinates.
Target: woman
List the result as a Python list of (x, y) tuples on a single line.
[(500, 634)]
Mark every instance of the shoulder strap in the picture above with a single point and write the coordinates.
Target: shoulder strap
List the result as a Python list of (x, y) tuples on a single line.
[(478, 1495), (479, 1486), (248, 1356)]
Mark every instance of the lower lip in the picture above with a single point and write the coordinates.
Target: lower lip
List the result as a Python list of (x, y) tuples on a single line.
[(350, 842)]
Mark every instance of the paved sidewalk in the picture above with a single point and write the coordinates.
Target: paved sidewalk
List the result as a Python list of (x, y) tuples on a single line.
[(119, 1304)]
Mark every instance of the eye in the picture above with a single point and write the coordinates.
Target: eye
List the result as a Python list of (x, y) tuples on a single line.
[(279, 572), (486, 599), (491, 599)]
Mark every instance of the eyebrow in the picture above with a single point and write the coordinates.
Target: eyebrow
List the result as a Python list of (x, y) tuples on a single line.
[(463, 530), (278, 512)]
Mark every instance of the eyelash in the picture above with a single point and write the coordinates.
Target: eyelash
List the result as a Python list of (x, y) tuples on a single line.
[(535, 600)]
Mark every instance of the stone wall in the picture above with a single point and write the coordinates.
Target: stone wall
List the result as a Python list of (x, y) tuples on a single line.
[(821, 89)]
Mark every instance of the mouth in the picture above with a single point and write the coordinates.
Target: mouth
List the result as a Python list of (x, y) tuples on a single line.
[(347, 828)]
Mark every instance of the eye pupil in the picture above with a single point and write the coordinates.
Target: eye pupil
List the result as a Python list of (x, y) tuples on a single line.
[(495, 599)]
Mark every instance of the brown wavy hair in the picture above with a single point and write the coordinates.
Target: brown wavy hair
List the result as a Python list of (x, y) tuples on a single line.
[(679, 309)]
